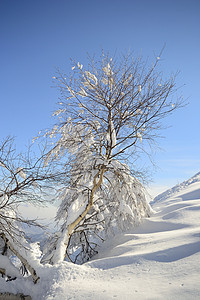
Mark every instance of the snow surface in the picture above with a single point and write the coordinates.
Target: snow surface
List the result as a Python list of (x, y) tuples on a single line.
[(158, 260), (178, 188)]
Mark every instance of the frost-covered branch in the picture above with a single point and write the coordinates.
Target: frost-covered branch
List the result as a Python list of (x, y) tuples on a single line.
[(110, 112), (23, 179)]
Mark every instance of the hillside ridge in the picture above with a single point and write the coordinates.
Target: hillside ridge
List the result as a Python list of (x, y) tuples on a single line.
[(177, 188)]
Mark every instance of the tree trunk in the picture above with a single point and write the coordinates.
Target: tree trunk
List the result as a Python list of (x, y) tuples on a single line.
[(67, 232), (23, 260), (96, 185)]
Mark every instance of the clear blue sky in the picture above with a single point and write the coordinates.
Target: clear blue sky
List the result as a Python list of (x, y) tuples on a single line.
[(39, 35)]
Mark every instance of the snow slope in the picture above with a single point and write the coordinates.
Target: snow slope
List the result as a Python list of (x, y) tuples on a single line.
[(158, 260), (179, 188)]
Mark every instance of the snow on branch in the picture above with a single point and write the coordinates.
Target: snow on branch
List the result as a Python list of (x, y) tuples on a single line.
[(112, 117)]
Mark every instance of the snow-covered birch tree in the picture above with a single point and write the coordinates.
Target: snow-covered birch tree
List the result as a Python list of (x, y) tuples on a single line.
[(110, 111), (22, 180)]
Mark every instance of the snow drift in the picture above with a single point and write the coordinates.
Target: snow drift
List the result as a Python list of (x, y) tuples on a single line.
[(157, 260)]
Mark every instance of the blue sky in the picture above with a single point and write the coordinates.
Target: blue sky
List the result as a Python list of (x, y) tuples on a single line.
[(36, 37)]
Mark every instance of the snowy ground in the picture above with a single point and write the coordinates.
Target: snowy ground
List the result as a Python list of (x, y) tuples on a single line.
[(158, 260)]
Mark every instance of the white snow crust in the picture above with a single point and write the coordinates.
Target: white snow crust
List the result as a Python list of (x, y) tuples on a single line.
[(160, 259)]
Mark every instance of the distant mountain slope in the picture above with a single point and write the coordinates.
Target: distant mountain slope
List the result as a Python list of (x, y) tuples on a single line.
[(177, 188)]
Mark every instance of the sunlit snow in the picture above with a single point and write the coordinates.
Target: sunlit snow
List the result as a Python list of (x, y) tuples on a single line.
[(157, 260)]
